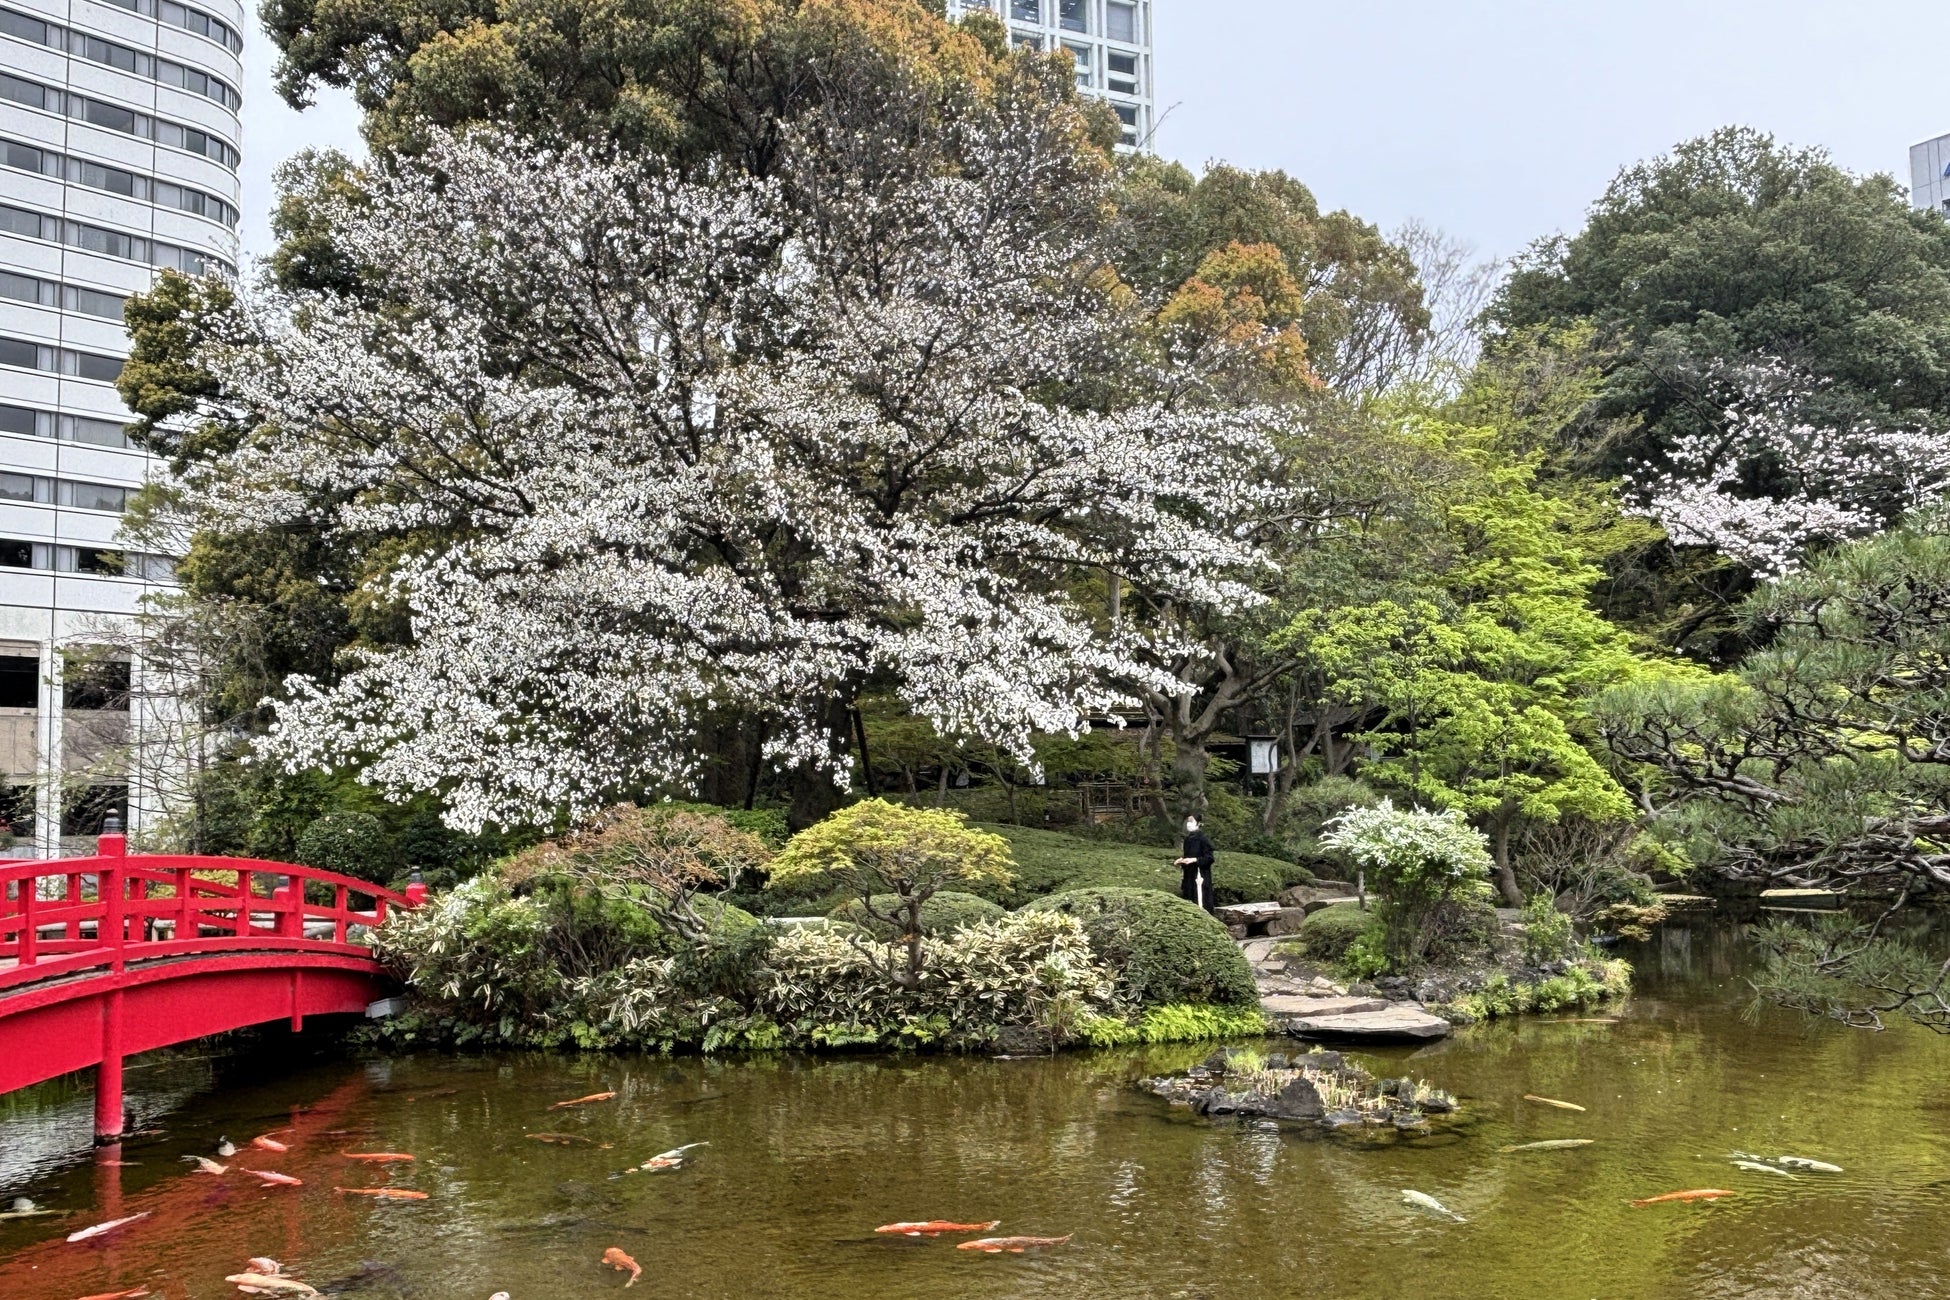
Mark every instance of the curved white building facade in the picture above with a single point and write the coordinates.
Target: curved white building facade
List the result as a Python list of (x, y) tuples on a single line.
[(119, 149)]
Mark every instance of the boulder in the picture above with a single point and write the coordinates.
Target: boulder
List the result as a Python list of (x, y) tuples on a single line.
[(1299, 1100), (1285, 921), (1394, 1023), (1312, 897)]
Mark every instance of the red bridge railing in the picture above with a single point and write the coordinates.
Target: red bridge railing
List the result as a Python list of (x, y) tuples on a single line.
[(74, 925), (68, 916)]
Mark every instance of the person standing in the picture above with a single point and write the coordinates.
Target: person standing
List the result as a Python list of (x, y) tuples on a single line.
[(1196, 860)]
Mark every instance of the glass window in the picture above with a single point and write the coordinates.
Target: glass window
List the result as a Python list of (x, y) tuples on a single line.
[(18, 352), (92, 302), (19, 221), (18, 419), (1120, 21), (1122, 74), (16, 555), (1026, 11), (20, 682), (23, 28), (92, 365), (113, 117), (23, 288), (1080, 54), (23, 156), (23, 92), (17, 487), (93, 496), (1073, 15), (99, 433), (1028, 42), (1128, 115), (113, 179)]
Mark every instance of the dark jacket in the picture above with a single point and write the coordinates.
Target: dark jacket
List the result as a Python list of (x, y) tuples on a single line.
[(1199, 847)]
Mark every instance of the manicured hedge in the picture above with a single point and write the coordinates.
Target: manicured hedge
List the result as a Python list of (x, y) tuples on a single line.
[(1162, 948), (1049, 862), (1326, 934)]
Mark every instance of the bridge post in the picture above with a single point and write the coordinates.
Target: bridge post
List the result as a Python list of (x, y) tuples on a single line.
[(110, 887)]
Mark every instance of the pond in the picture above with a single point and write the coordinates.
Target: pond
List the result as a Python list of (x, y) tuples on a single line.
[(806, 1156)]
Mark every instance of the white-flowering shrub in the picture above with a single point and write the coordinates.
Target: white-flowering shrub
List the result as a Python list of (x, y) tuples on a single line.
[(1025, 969), (1432, 869)]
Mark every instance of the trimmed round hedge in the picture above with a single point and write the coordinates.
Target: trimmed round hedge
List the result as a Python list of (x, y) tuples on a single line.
[(1163, 948), (1326, 935), (945, 913)]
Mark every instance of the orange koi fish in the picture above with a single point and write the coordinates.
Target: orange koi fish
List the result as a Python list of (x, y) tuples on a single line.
[(264, 1264), (1696, 1194), (377, 1157), (205, 1165), (583, 1101), (101, 1228), (616, 1259), (275, 1180), (269, 1144), (1014, 1245), (385, 1193), (935, 1227)]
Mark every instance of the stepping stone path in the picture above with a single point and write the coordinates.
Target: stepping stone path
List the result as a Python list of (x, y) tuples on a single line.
[(1312, 1007)]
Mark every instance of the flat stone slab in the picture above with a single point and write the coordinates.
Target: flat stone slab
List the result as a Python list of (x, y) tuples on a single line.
[(1306, 1007), (1802, 898), (1245, 913), (1394, 1023), (1689, 902)]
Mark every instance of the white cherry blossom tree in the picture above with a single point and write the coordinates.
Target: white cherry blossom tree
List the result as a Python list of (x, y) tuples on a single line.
[(1769, 481), (655, 446)]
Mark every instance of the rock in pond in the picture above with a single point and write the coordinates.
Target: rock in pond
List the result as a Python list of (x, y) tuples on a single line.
[(1318, 1088), (1397, 1022)]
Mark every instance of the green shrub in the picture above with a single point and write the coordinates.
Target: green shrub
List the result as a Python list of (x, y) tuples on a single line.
[(1547, 934), (1432, 871), (1025, 970), (1180, 1022), (944, 913), (1326, 934), (1367, 956), (1049, 862), (1161, 948), (352, 844)]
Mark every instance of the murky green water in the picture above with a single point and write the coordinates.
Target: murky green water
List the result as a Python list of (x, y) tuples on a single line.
[(806, 1156)]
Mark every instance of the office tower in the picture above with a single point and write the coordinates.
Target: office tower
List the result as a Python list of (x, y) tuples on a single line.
[(1109, 39), (1929, 175), (118, 158)]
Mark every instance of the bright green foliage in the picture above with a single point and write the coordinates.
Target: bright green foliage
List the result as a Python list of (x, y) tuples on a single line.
[(1828, 753), (1585, 983), (1734, 246), (1162, 949), (1367, 956), (1483, 678), (945, 913), (875, 848), (1325, 935), (1548, 935)]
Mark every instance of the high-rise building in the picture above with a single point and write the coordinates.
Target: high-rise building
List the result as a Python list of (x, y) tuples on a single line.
[(1109, 39), (119, 138), (1929, 175)]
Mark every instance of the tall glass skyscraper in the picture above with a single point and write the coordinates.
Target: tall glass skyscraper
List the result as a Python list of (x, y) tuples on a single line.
[(119, 137), (1109, 39)]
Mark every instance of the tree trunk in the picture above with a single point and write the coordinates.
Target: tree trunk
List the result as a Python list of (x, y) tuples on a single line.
[(1506, 875)]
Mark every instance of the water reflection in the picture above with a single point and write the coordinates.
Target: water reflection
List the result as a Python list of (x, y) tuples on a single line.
[(806, 1156)]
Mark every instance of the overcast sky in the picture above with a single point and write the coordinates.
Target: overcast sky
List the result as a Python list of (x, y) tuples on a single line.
[(1496, 120)]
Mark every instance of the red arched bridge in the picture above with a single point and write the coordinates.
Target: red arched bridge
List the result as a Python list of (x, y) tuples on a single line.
[(104, 957)]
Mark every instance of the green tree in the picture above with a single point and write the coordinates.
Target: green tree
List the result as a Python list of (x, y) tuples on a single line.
[(1825, 758), (877, 850), (1476, 681)]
